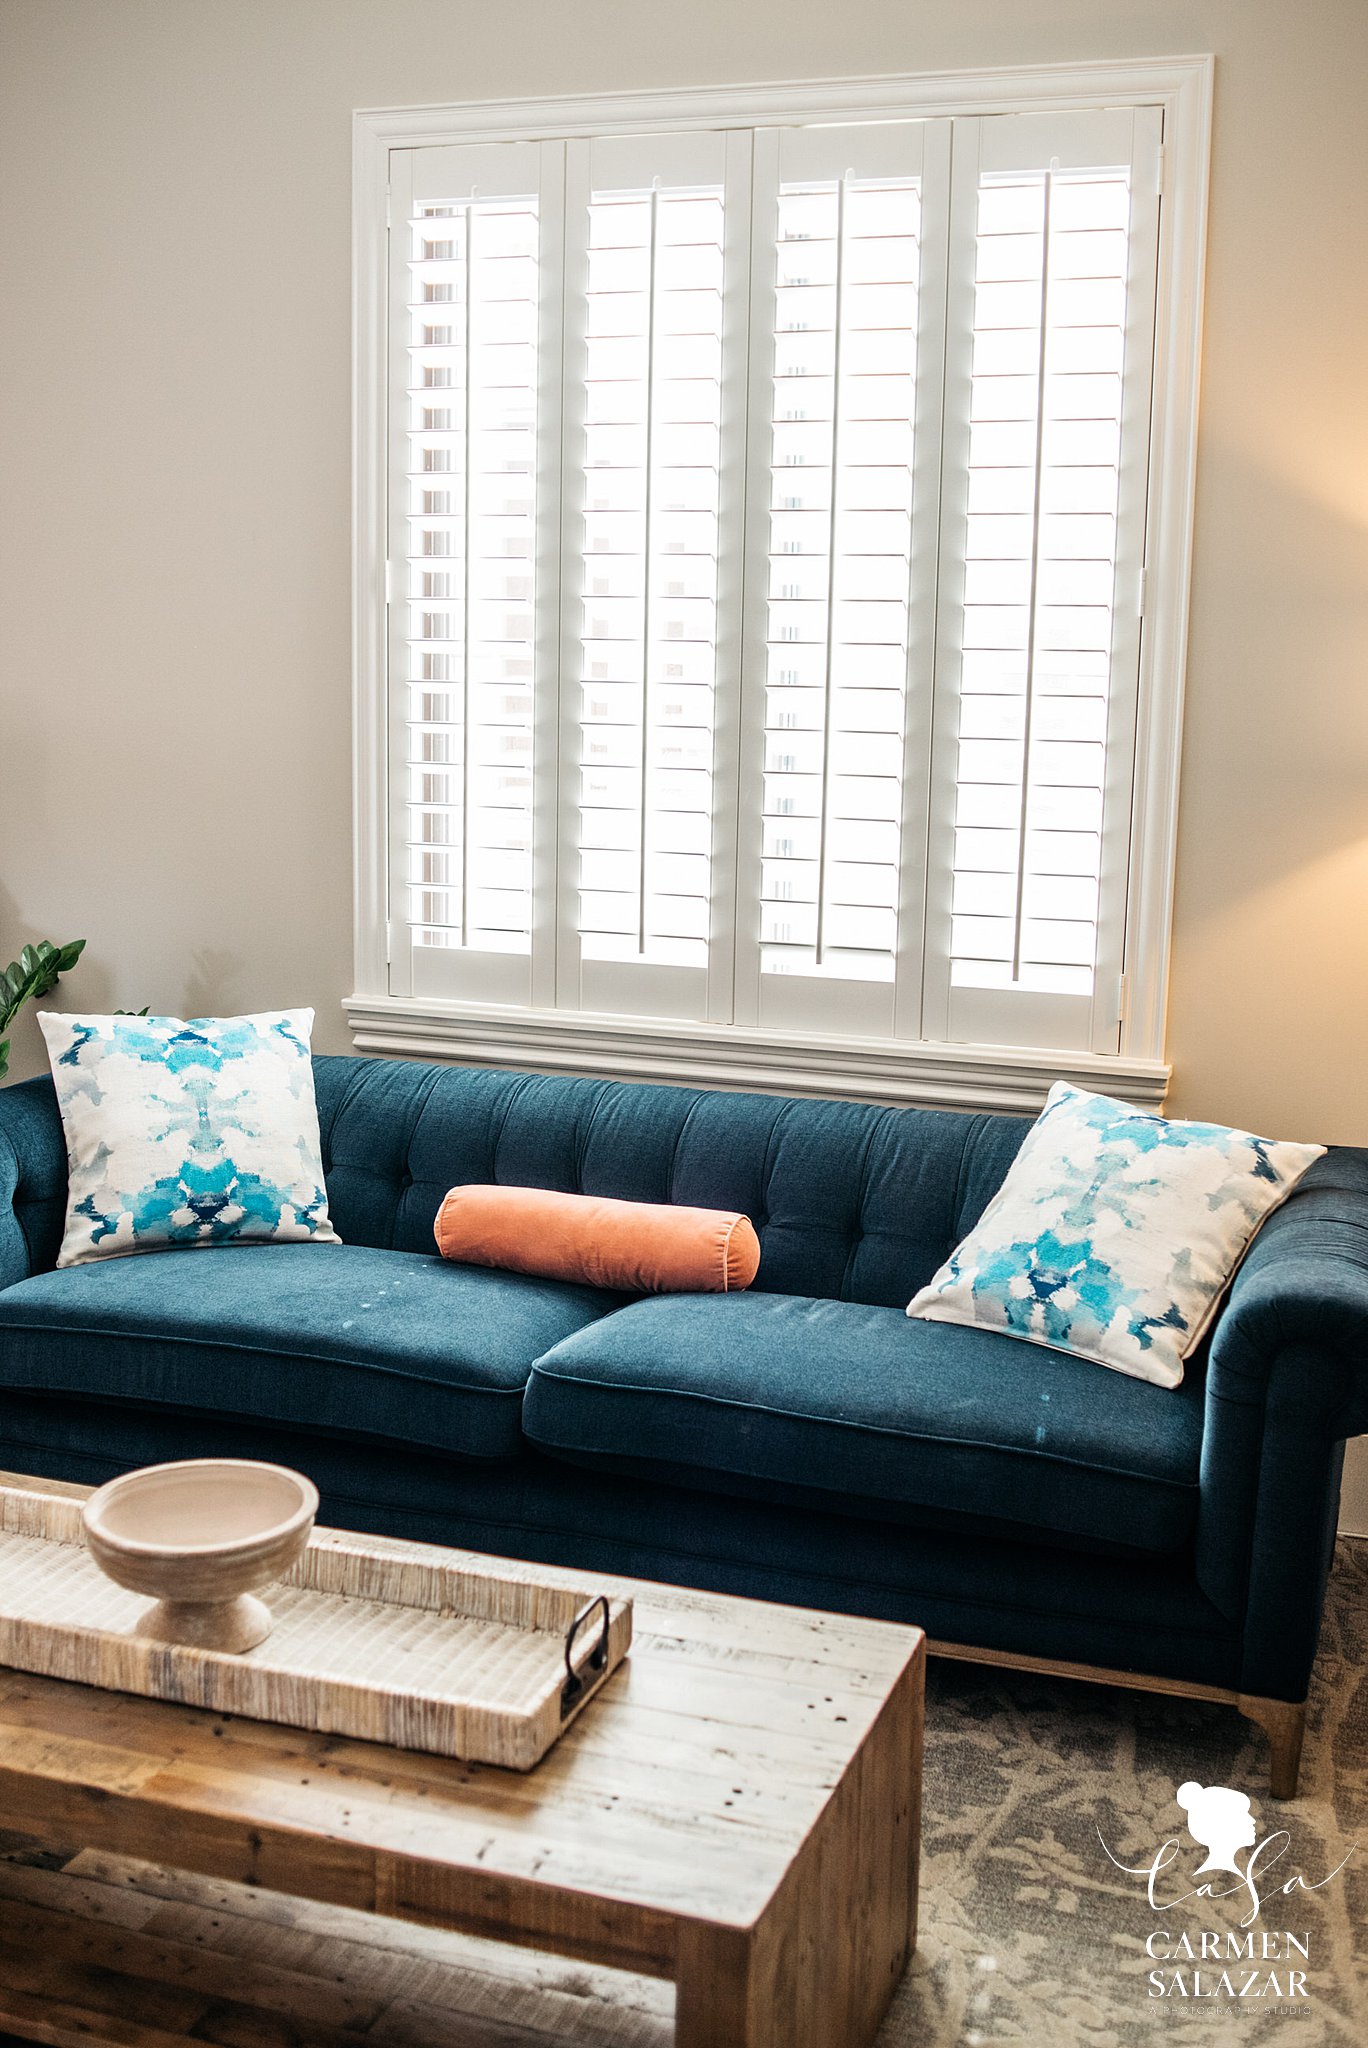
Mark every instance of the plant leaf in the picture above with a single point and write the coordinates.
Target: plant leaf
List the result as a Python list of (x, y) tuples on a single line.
[(34, 973)]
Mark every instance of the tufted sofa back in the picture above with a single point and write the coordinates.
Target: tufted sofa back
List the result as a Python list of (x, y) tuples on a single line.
[(851, 1202)]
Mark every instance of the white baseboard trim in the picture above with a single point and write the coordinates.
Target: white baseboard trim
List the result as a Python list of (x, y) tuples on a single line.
[(714, 1056)]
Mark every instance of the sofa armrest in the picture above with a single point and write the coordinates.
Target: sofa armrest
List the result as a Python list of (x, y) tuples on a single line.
[(1303, 1290), (33, 1179), (1287, 1381)]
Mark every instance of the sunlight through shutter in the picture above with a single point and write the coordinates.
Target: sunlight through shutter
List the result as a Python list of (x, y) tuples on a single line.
[(767, 516), (842, 568), (464, 582), (650, 333), (1051, 318)]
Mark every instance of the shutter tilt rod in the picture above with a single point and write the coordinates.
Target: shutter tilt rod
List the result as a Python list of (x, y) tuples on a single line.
[(1029, 719), (646, 571), (469, 220), (836, 326)]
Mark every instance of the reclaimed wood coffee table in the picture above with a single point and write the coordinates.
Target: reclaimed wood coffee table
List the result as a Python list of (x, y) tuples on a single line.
[(737, 1811)]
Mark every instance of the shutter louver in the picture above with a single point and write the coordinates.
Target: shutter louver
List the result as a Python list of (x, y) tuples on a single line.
[(466, 529), (1045, 637), (648, 463), (844, 375), (654, 347), (474, 395), (835, 803)]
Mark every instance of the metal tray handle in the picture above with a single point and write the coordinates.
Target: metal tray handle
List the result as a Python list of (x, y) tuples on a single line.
[(577, 1683)]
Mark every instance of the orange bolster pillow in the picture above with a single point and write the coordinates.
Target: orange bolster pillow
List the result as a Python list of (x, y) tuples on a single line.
[(641, 1247)]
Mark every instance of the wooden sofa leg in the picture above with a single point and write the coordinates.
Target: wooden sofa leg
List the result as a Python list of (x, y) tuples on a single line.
[(1285, 1724)]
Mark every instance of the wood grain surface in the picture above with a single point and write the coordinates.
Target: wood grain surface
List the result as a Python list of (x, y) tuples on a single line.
[(737, 1810), (102, 1951)]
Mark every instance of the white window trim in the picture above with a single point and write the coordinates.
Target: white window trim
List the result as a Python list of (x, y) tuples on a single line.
[(955, 1076)]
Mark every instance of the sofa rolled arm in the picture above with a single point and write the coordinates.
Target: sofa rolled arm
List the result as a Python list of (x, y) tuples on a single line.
[(33, 1179), (1303, 1291), (1287, 1381)]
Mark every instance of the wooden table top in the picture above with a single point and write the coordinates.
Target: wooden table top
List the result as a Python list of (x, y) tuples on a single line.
[(684, 1791)]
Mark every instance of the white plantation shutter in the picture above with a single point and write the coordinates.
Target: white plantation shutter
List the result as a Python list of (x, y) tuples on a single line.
[(655, 314), (1046, 423), (467, 271), (767, 520), (844, 401)]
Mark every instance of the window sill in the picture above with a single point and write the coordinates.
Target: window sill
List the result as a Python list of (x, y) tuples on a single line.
[(972, 1077)]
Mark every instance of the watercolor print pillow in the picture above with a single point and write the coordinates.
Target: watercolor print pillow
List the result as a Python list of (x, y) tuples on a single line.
[(1114, 1234), (181, 1134)]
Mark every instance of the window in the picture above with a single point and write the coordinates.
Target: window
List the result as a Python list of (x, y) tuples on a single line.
[(768, 524)]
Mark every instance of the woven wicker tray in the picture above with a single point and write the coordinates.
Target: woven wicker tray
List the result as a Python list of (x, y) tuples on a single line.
[(460, 1661)]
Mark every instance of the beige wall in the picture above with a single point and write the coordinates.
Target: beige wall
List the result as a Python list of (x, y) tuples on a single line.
[(175, 194)]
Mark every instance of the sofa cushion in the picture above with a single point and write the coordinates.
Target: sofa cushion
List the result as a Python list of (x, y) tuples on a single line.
[(392, 1345), (887, 1416)]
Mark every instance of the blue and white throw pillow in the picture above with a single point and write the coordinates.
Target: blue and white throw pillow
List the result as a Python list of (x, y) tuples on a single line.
[(1114, 1234), (179, 1134)]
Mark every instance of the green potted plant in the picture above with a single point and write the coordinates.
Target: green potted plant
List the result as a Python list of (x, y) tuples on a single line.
[(34, 973)]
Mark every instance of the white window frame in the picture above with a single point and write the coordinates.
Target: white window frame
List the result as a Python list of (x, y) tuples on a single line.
[(899, 1071)]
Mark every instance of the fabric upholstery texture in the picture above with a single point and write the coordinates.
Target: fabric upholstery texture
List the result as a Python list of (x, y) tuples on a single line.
[(854, 1402), (640, 1247), (960, 1586), (33, 1180), (334, 1337), (848, 1201), (855, 1208)]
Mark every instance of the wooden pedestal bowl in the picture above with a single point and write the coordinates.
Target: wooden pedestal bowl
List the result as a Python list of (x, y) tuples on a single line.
[(202, 1536)]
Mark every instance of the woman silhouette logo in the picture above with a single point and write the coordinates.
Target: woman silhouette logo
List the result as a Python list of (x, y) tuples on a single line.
[(1220, 1821)]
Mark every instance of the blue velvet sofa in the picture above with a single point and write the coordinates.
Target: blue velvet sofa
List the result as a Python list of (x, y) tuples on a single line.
[(802, 1442)]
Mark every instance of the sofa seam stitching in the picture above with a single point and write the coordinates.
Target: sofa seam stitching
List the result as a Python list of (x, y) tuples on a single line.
[(418, 1113), (862, 1190), (353, 1088), (767, 1164), (519, 1088), (674, 1149), (1247, 1561), (584, 1135), (970, 1136), (14, 1200)]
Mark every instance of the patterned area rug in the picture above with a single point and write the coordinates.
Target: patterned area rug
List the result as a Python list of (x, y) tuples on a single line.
[(1030, 1933)]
